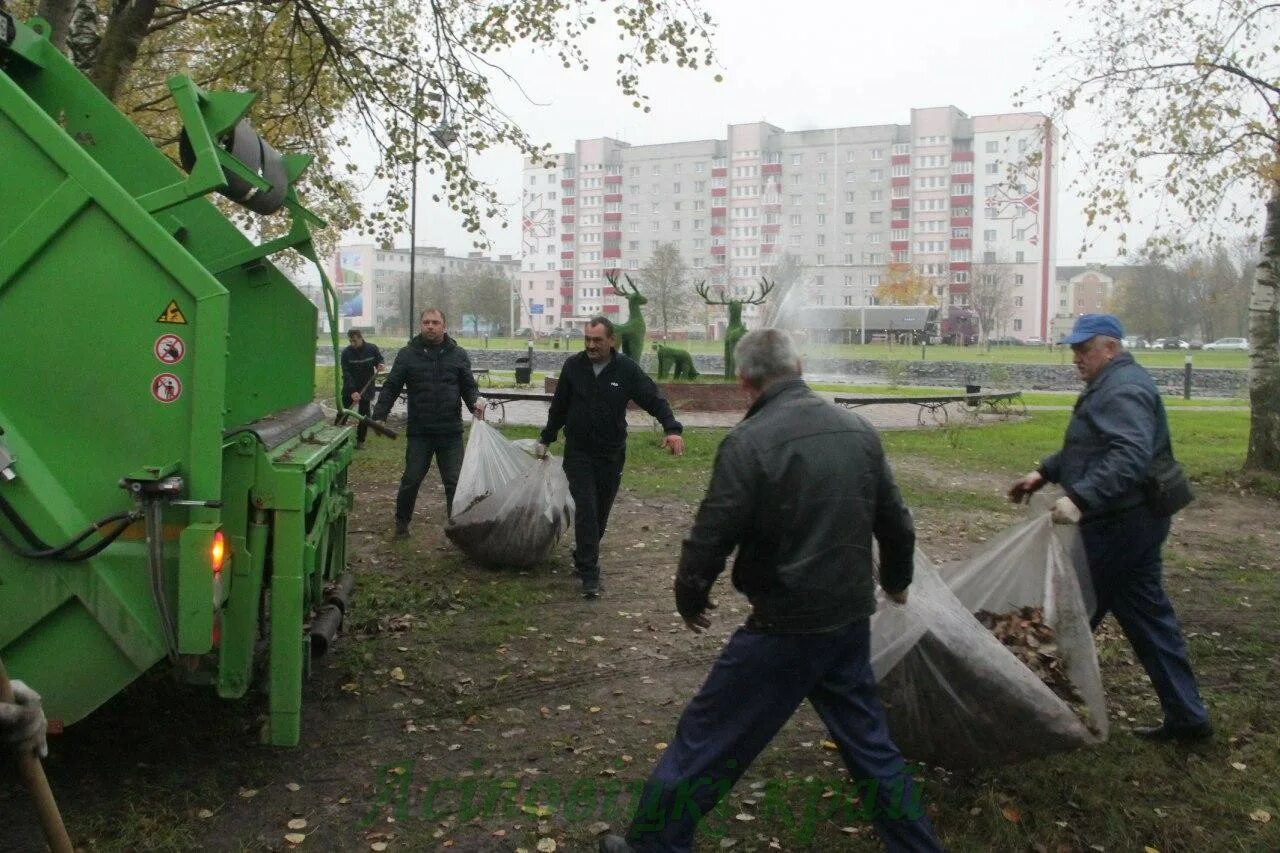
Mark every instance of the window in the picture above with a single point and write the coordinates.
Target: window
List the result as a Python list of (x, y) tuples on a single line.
[(993, 168), (876, 217), (1017, 302), (697, 224), (848, 300), (821, 261), (988, 257), (1017, 325), (654, 206), (822, 219), (819, 280), (796, 178), (551, 302), (1022, 145), (876, 175), (848, 218), (699, 166), (533, 180), (877, 195), (877, 153), (635, 170), (796, 219), (675, 187), (901, 170), (699, 186), (633, 246), (1018, 278), (795, 239), (699, 204), (679, 167), (876, 238), (1019, 257), (796, 158), (848, 260), (817, 300), (992, 147), (655, 225), (850, 175), (989, 235), (822, 239), (633, 226), (822, 177), (657, 168), (822, 157)]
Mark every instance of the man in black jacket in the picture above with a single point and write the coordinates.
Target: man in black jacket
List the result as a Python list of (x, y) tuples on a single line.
[(799, 488), (437, 373), (360, 361), (591, 404)]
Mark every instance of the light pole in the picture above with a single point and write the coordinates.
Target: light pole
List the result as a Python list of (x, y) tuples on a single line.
[(444, 136)]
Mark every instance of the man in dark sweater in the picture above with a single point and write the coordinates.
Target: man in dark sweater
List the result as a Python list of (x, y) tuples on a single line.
[(437, 373), (799, 488), (591, 405), (360, 361)]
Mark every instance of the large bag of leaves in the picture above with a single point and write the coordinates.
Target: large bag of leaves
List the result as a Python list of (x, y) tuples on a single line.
[(959, 696), (510, 509)]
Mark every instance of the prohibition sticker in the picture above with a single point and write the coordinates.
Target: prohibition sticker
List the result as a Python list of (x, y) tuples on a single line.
[(172, 314), (170, 349), (166, 387)]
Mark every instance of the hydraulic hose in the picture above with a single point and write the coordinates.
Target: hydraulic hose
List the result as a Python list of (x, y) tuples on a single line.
[(67, 552)]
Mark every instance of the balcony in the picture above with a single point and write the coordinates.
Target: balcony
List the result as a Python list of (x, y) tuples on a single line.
[(899, 245), (719, 211), (613, 216), (959, 288), (771, 169), (900, 181), (960, 266), (613, 235), (899, 223), (566, 256), (612, 309), (719, 192), (566, 237), (718, 250), (566, 274), (612, 179), (899, 159), (567, 200), (961, 156), (720, 171), (717, 230), (962, 222), (767, 248), (965, 200), (961, 179), (566, 219), (611, 253), (961, 242), (566, 182), (767, 228), (900, 202), (566, 292), (612, 198), (566, 310)]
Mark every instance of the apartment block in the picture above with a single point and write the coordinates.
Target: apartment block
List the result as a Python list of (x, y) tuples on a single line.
[(373, 281), (939, 194)]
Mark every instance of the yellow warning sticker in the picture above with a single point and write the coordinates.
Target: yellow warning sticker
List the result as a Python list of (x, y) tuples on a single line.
[(172, 314)]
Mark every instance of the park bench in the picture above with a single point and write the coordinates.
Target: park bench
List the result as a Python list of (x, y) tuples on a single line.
[(1002, 403)]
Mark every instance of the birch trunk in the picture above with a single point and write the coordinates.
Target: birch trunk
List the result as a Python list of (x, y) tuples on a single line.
[(1264, 350)]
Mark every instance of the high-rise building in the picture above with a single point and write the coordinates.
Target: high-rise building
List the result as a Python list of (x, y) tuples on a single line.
[(943, 195), (373, 284)]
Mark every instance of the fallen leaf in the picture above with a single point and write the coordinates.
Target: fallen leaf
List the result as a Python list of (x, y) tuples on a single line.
[(378, 846), (546, 845), (1260, 816), (595, 709), (295, 838), (743, 816), (248, 793), (1011, 814), (1239, 765), (204, 814), (660, 745), (397, 674), (1150, 849), (827, 744), (298, 823), (293, 786)]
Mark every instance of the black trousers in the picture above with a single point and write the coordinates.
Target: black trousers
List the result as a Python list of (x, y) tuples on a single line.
[(418, 450), (363, 407), (594, 476)]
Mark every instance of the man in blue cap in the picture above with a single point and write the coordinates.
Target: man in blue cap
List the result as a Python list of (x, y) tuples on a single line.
[(1116, 430)]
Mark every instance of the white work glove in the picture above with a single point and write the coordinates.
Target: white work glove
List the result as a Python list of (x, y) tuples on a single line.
[(540, 450), (1065, 511), (478, 410), (22, 722)]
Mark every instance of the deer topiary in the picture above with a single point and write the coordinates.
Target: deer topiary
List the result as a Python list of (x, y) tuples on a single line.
[(631, 334), (675, 361), (735, 330)]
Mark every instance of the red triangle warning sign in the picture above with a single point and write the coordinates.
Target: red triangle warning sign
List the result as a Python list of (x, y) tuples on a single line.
[(172, 314)]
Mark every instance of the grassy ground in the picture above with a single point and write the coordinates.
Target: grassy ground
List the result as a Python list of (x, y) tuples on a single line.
[(885, 352), (447, 671)]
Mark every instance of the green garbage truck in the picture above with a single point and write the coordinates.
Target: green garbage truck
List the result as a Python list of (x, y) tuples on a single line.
[(170, 491)]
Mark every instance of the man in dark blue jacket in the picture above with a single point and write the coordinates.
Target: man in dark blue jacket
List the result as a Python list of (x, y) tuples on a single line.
[(1117, 428), (360, 362), (800, 488), (437, 373), (591, 405)]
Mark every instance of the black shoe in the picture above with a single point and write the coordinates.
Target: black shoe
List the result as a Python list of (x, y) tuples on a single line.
[(591, 589), (614, 844), (402, 531), (1184, 734)]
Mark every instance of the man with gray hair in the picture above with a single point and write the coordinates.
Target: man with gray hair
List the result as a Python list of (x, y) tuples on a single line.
[(800, 487)]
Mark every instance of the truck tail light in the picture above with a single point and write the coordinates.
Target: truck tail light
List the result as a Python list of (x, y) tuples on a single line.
[(218, 552)]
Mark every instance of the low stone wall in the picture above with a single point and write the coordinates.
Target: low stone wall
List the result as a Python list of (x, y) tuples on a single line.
[(691, 396), (1031, 377)]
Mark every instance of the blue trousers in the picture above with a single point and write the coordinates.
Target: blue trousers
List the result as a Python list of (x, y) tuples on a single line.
[(752, 690), (418, 450), (1124, 561), (594, 477)]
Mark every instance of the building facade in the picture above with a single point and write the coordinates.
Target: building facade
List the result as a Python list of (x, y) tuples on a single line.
[(372, 283), (939, 194)]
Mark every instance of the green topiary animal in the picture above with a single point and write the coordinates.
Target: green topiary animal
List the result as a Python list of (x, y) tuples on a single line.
[(631, 334), (676, 361), (735, 330)]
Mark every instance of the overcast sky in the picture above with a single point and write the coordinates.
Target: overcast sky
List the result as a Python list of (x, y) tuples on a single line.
[(800, 64)]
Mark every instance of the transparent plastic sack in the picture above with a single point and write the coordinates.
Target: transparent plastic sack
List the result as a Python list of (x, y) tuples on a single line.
[(510, 509), (954, 694)]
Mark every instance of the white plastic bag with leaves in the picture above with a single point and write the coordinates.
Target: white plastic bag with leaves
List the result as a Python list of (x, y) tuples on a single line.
[(510, 509), (954, 694)]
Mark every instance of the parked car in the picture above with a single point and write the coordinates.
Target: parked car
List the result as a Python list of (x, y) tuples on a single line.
[(1034, 342), (1004, 341), (1170, 343), (1135, 342), (1239, 344)]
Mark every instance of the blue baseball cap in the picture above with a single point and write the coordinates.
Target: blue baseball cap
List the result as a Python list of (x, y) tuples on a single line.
[(1090, 325)]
